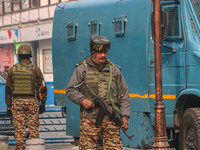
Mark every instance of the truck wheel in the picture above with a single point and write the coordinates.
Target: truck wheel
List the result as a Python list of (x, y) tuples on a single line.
[(190, 130)]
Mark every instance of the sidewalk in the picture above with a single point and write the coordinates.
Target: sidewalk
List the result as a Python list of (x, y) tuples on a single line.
[(54, 146), (62, 146)]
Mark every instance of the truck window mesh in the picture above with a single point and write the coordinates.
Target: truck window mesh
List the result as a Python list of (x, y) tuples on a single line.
[(93, 28), (193, 26), (172, 21), (196, 6), (118, 26), (70, 30)]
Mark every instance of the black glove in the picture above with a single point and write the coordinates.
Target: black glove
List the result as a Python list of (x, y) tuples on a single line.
[(42, 109), (9, 113)]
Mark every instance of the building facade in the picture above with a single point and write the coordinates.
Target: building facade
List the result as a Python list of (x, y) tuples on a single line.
[(30, 22)]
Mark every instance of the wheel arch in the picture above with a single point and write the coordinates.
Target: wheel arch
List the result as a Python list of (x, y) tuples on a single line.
[(189, 98)]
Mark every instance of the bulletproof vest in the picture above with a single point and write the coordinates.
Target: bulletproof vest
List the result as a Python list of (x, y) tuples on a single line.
[(98, 82), (23, 79)]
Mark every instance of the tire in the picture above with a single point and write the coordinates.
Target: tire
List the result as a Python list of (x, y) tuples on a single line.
[(190, 130), (174, 143)]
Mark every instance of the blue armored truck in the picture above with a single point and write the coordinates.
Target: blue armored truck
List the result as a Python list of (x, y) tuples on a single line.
[(128, 24)]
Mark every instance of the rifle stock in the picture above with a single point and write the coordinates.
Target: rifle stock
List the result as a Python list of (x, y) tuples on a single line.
[(104, 106)]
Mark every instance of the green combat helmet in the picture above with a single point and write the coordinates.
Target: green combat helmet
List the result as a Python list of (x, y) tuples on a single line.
[(99, 43), (24, 50)]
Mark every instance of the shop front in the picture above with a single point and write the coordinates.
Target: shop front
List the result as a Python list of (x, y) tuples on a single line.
[(39, 39)]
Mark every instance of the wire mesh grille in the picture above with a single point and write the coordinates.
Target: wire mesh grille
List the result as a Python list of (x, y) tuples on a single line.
[(70, 30), (193, 26), (93, 28), (172, 21), (118, 26)]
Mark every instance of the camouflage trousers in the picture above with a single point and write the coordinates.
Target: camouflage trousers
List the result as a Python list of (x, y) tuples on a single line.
[(22, 110), (89, 135)]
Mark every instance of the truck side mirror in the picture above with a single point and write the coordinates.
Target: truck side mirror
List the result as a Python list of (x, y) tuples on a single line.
[(163, 25)]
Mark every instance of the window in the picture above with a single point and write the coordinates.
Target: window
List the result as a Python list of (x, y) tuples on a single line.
[(47, 61), (44, 2), (35, 3), (173, 21), (196, 6), (6, 56), (1, 8), (25, 4), (94, 27), (54, 1), (72, 30), (7, 7), (193, 26), (16, 5), (120, 26)]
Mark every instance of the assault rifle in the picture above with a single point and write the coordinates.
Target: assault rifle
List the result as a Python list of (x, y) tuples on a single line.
[(104, 108)]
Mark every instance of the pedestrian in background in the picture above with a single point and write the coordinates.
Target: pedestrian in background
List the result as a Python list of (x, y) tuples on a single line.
[(105, 79), (21, 96), (4, 73)]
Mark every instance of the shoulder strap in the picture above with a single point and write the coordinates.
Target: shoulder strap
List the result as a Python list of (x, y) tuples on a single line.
[(79, 63), (86, 69), (110, 82), (15, 66), (110, 79)]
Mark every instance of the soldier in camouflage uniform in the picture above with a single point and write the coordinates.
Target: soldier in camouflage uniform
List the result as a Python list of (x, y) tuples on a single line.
[(106, 80), (22, 85)]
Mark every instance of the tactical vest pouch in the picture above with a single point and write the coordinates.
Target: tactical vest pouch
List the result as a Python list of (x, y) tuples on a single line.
[(102, 84), (23, 80)]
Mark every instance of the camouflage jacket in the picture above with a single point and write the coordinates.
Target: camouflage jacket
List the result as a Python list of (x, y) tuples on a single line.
[(79, 75), (9, 85)]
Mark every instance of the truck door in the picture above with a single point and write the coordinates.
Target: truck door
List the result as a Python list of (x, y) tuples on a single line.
[(173, 51)]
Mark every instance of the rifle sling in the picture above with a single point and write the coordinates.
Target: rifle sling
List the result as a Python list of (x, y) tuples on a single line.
[(110, 82)]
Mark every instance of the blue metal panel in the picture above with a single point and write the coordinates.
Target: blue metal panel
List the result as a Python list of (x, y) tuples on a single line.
[(193, 69), (192, 40), (140, 126), (193, 14), (174, 80), (134, 52), (67, 53), (74, 51), (173, 72), (50, 96), (73, 119), (3, 106), (193, 54)]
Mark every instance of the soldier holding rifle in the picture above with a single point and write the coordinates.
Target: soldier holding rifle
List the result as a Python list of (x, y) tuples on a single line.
[(106, 81)]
